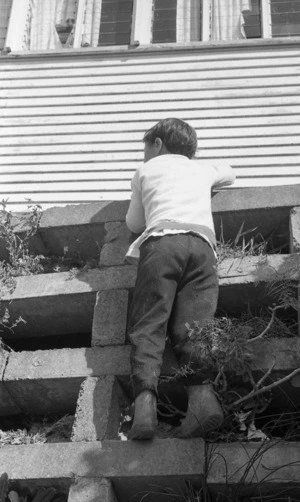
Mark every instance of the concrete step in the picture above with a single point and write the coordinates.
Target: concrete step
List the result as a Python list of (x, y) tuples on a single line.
[(156, 468), (80, 229), (48, 381), (61, 303)]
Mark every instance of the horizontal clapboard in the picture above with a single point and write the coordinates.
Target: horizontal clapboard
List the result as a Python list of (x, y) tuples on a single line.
[(71, 128)]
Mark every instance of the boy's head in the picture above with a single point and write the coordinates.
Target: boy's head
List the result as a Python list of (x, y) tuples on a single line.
[(170, 136)]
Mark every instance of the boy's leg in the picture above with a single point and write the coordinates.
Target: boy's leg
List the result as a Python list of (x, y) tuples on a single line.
[(153, 298), (196, 298)]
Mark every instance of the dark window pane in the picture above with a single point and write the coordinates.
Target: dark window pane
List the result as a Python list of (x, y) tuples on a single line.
[(285, 18), (252, 20), (5, 6), (164, 21), (116, 22)]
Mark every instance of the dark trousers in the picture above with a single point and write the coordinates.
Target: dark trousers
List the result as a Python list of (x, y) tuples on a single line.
[(176, 284)]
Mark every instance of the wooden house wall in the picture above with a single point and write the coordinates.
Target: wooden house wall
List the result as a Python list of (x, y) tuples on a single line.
[(72, 123)]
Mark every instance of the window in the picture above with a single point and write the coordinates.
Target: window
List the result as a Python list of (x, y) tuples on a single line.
[(59, 24), (5, 6)]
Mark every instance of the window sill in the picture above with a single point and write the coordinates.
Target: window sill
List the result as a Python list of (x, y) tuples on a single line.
[(99, 52)]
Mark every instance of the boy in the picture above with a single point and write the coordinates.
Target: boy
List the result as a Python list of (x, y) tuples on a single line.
[(177, 280)]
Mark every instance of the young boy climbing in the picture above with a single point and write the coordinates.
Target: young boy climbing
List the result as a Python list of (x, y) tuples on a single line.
[(177, 279)]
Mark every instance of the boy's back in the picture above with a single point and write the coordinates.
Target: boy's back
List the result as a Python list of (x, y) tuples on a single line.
[(173, 187)]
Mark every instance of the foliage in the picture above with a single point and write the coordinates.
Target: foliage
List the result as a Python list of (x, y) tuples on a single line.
[(19, 259), (239, 246)]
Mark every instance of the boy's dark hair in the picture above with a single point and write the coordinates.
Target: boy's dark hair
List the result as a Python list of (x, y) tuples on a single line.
[(177, 136)]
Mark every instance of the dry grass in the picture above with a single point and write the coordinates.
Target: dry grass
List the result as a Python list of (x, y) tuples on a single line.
[(39, 431)]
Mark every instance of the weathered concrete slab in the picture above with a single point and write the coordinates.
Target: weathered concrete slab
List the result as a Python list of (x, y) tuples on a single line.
[(106, 459), (80, 228), (98, 410), (295, 230), (69, 301), (48, 381), (117, 240), (92, 490), (273, 462), (110, 317)]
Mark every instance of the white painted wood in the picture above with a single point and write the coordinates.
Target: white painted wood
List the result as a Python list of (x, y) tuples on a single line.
[(142, 22), (153, 77), (211, 56), (143, 66), (205, 119), (12, 180), (74, 132), (266, 27), (44, 177), (62, 96), (116, 113), (79, 23), (136, 145), (205, 20), (68, 186), (257, 134)]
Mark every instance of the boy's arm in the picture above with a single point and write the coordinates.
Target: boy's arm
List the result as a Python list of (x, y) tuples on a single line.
[(224, 175), (135, 217)]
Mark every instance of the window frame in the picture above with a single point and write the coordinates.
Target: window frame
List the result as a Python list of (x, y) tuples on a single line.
[(141, 23)]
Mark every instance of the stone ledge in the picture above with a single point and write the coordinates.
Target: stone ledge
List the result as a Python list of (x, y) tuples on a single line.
[(80, 227), (106, 459), (49, 381), (272, 462), (69, 301), (127, 465)]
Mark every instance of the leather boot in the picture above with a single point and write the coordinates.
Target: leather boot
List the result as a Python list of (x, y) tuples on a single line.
[(145, 416), (204, 413)]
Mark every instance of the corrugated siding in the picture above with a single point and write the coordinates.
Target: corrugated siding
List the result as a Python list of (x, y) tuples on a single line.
[(72, 127)]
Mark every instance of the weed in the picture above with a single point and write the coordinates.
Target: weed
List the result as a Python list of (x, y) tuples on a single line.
[(39, 430), (239, 247), (19, 259)]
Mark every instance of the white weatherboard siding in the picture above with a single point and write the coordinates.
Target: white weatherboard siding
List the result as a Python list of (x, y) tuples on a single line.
[(71, 124)]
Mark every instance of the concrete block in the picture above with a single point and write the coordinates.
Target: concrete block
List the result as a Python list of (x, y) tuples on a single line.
[(69, 301), (99, 408), (48, 381), (117, 240), (79, 227), (295, 230), (104, 459), (256, 198), (65, 299), (110, 317), (275, 462), (243, 281), (92, 490)]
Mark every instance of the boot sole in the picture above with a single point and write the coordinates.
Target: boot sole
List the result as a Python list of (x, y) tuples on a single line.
[(141, 433), (212, 423)]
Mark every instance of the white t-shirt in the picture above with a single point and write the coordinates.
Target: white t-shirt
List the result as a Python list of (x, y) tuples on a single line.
[(173, 189)]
